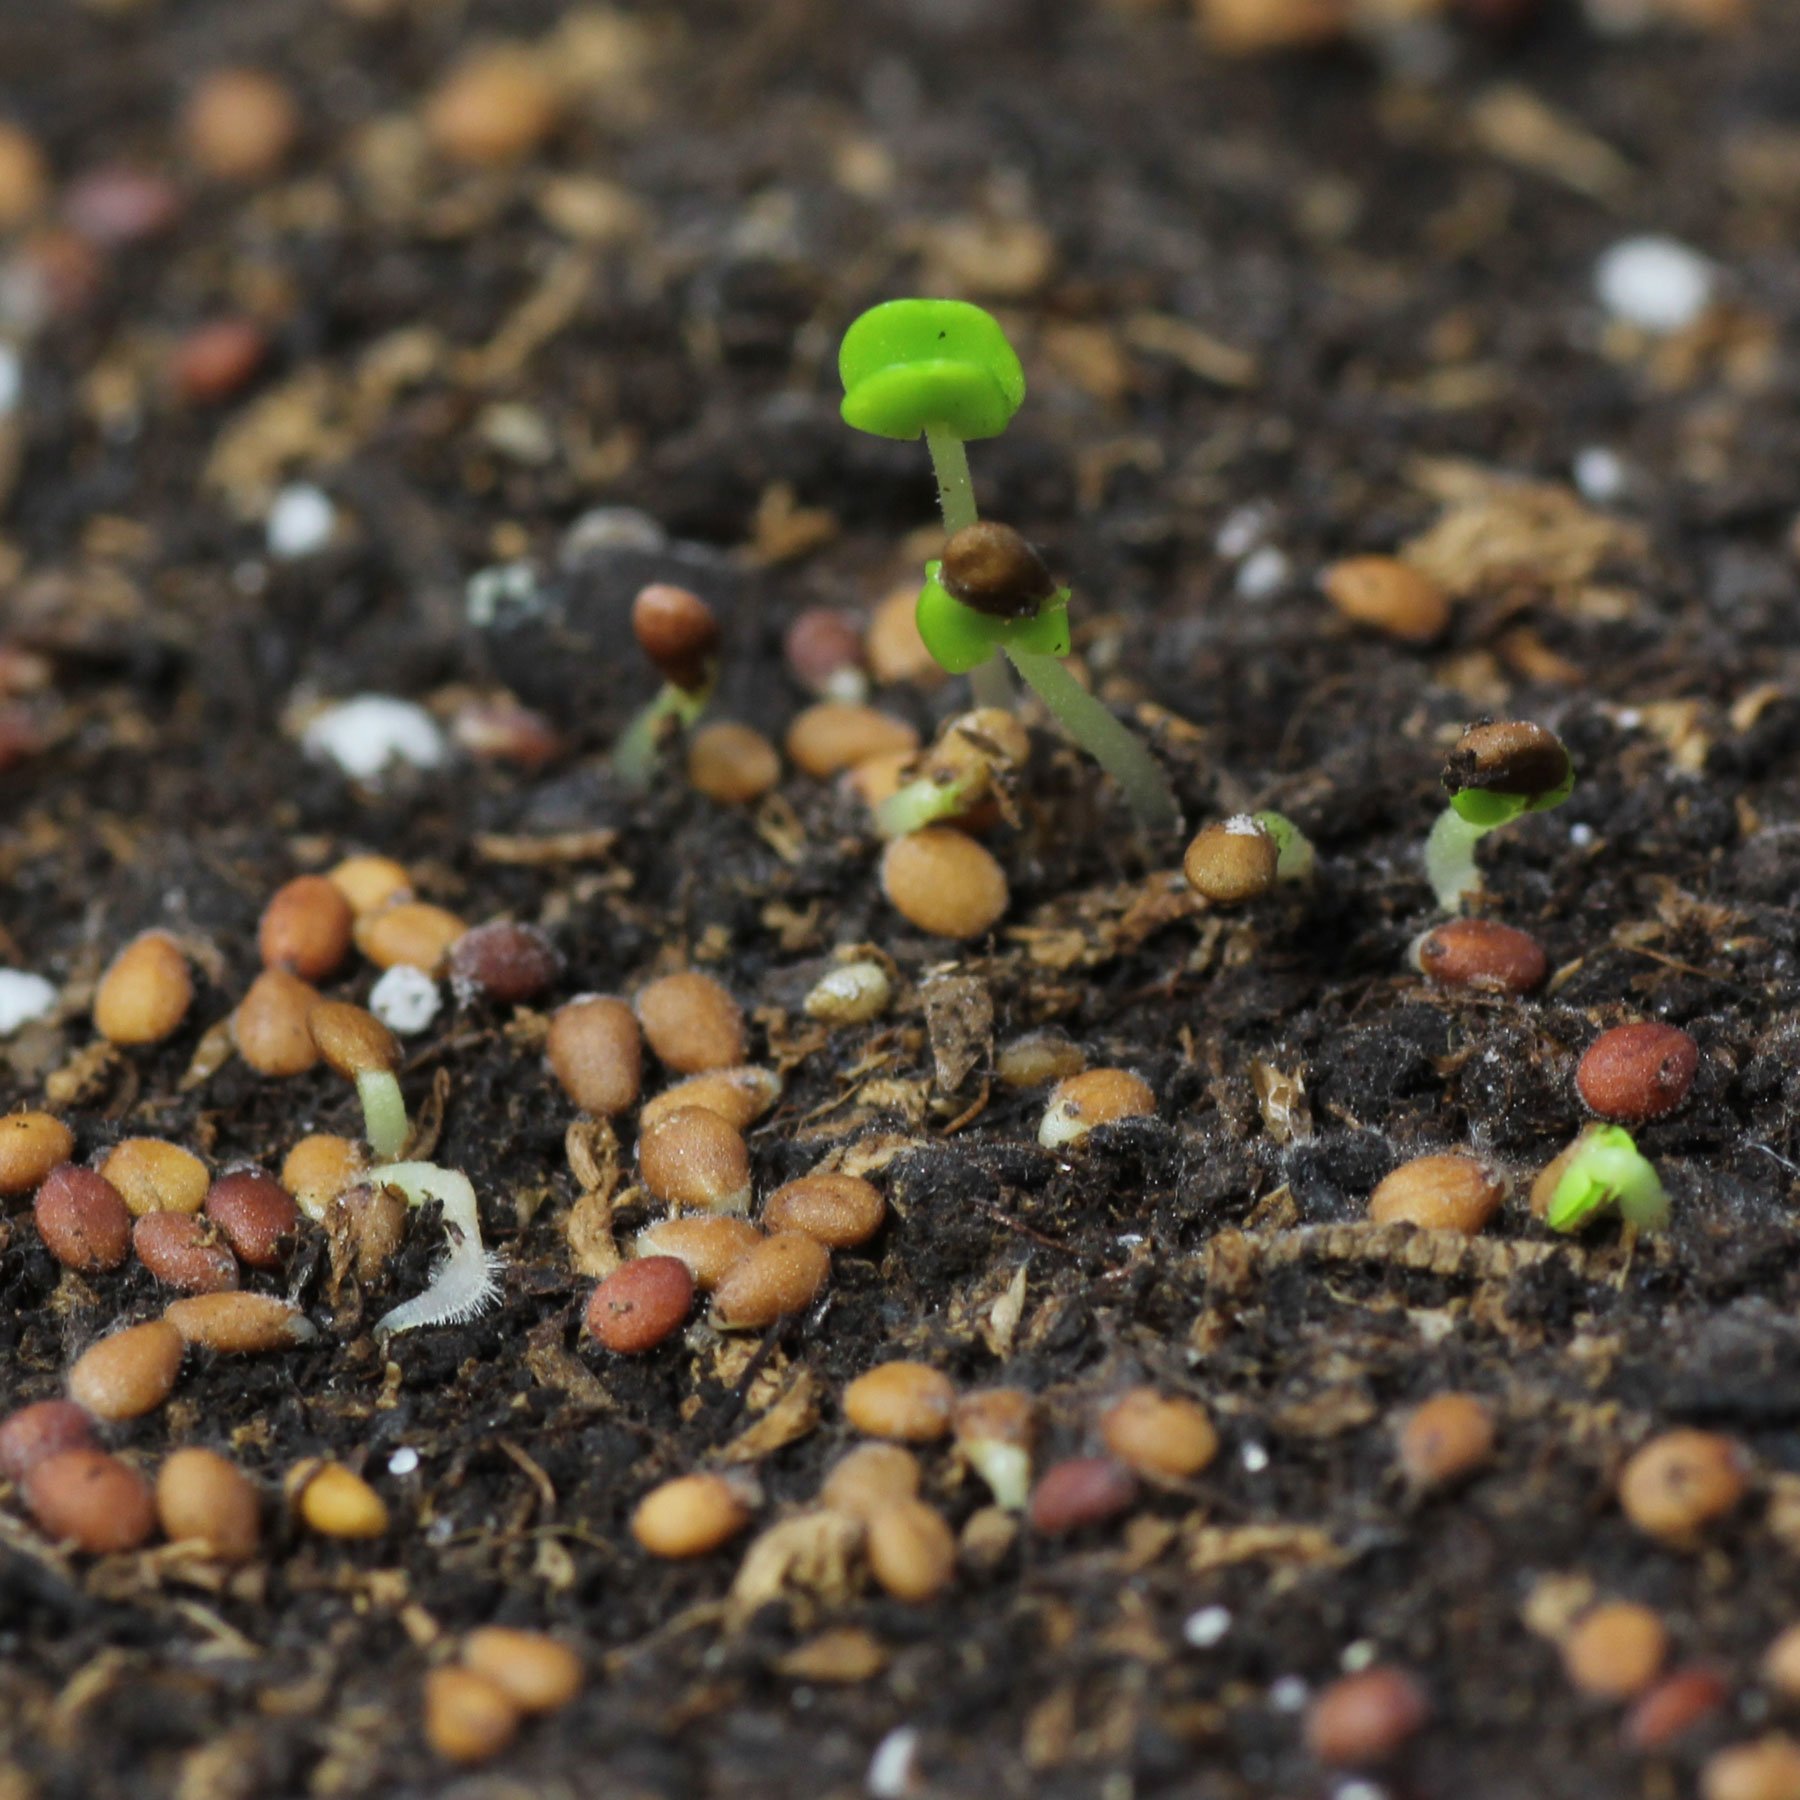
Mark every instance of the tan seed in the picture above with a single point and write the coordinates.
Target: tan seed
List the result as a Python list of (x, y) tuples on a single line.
[(154, 1176), (692, 1515), (1439, 1193), (240, 1324), (695, 1162), (1615, 1650), (1037, 1059), (495, 108), (31, 1145), (781, 1275), (143, 997), (912, 1551), (336, 1503), (595, 1051), (240, 124), (372, 1220), (91, 1500), (351, 1039), (1389, 595), (82, 1219), (129, 1373), (469, 1718), (732, 764), (305, 928), (535, 1672), (1767, 1769), (1157, 1435), (908, 1402), (835, 735), (709, 1243), (739, 1096), (1682, 1481), (202, 1497), (1097, 1097), (270, 1028), (944, 883), (692, 1023), (413, 933), (1231, 861), (24, 177), (185, 1252), (321, 1167), (1780, 1664), (895, 650), (370, 883), (38, 1432), (841, 1211), (1365, 1719), (870, 1478), (1444, 1440)]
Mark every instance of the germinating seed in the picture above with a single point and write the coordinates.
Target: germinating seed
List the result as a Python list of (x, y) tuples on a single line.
[(691, 1023), (851, 994), (336, 1503), (1444, 1440), (1037, 1059), (1159, 1436), (1615, 1650), (739, 1096), (944, 883), (535, 1672), (1682, 1481), (256, 1214), (305, 928), (321, 1167), (143, 997), (469, 1718), (836, 735), (732, 764), (185, 1252), (1439, 1193), (909, 1402), (92, 1500), (239, 1324), (31, 1145), (1096, 1097), (1635, 1073), (35, 1433), (1083, 1491), (82, 1219), (1482, 955), (841, 1211), (154, 1176), (270, 1027), (676, 630), (1768, 1769), (373, 1220), (1363, 1720), (506, 963), (1389, 595), (994, 1432), (869, 1478), (370, 883), (1232, 861), (640, 1304), (351, 1039), (1673, 1707), (412, 932), (692, 1515), (596, 1053), (129, 1373), (911, 1550), (707, 1243), (781, 1275), (203, 1498), (695, 1162)]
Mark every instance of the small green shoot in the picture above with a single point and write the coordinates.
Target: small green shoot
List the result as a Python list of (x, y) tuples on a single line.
[(676, 630), (1606, 1169), (1294, 856), (1496, 773)]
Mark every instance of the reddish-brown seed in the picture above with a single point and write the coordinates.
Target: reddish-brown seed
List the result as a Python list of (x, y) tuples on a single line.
[(1483, 955), (35, 1433), (117, 206), (1389, 595), (907, 1402), (239, 1324), (841, 1211), (145, 993), (1635, 1073), (1615, 1650), (781, 1275), (1083, 1491), (824, 649), (640, 1304), (836, 735), (82, 1219), (503, 731), (31, 1145), (91, 1500), (240, 124), (695, 1162), (1445, 1439), (1672, 1708), (597, 1054), (676, 629), (1682, 1481), (305, 928), (503, 962), (256, 1214), (203, 1498), (1439, 1193), (692, 1023), (270, 1027), (708, 1243), (1766, 1769), (185, 1252), (215, 360), (732, 764), (1160, 1436), (1364, 1719), (128, 1374)]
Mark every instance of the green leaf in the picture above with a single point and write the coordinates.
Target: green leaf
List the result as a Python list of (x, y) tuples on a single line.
[(1608, 1169), (907, 364), (960, 638)]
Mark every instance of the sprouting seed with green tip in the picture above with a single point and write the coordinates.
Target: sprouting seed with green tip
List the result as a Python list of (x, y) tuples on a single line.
[(1606, 1168), (1497, 772)]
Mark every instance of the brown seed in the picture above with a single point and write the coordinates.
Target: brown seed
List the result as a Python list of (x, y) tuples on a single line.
[(37, 1432), (911, 1550), (1159, 1436), (676, 630), (640, 1304), (1231, 861), (895, 649), (841, 1211), (61, 269), (215, 360), (870, 1478), (373, 1222), (1766, 1769), (732, 764), (305, 928), (1673, 1707), (351, 1039), (143, 997), (944, 883), (503, 731), (823, 649), (240, 1324), (1482, 955), (781, 1275), (694, 1161), (185, 1252), (336, 1503), (1085, 1490), (1444, 1440), (240, 124), (506, 963), (836, 735), (1512, 757), (270, 1024), (739, 1096), (469, 1718), (495, 108), (535, 1672), (1364, 1719), (908, 1402), (201, 1497), (692, 1515), (128, 1374), (706, 1243), (1096, 1097), (1635, 1073), (1389, 595), (370, 883), (595, 1051), (692, 1023), (154, 1176), (91, 1500), (319, 1168), (410, 932), (118, 206), (31, 1145), (1780, 1663), (24, 177), (1439, 1193), (1037, 1059), (1681, 1481), (1615, 1650), (991, 568), (256, 1214)]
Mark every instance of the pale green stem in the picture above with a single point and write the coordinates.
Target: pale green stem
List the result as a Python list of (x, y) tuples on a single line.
[(384, 1112), (988, 683), (921, 803), (1450, 858), (1108, 742), (1294, 855), (634, 755)]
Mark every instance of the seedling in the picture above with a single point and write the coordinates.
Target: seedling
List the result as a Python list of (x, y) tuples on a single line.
[(1496, 773), (977, 756), (1607, 1169), (676, 630), (356, 1044), (466, 1283), (943, 370), (1244, 857)]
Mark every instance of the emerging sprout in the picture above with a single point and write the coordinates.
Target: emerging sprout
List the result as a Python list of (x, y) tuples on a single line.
[(1496, 773), (466, 1282), (363, 1050), (1243, 857), (676, 630), (978, 756), (942, 369), (1605, 1168)]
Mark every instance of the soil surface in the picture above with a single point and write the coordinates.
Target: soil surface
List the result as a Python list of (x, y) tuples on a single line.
[(1273, 312)]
